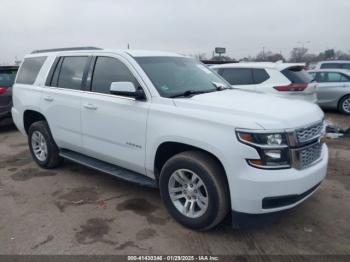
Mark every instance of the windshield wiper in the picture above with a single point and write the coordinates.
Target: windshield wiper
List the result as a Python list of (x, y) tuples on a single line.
[(188, 93)]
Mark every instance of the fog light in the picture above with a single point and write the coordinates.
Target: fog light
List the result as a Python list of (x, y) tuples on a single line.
[(274, 154)]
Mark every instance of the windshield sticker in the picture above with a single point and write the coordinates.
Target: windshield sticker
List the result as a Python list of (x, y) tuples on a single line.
[(164, 88), (203, 68)]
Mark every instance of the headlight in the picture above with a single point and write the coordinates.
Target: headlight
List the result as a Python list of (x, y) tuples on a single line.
[(263, 139), (272, 148)]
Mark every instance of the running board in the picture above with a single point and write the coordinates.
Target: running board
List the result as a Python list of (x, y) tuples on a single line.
[(107, 168)]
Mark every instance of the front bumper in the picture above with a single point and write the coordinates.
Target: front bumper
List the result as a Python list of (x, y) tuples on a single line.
[(256, 191)]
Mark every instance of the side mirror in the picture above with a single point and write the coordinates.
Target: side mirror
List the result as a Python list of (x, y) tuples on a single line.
[(127, 89)]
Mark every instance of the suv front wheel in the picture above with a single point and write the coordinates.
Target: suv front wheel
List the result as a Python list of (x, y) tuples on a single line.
[(42, 145), (194, 189)]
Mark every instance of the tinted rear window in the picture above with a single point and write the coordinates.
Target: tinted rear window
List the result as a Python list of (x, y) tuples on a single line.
[(7, 77), (297, 75), (30, 69)]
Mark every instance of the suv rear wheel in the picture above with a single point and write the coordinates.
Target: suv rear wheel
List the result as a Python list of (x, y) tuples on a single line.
[(344, 105), (194, 189), (42, 146)]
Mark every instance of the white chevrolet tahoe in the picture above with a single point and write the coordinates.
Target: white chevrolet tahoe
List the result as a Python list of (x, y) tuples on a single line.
[(165, 120)]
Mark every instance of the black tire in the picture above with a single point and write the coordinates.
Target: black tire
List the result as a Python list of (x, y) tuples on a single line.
[(212, 175), (341, 102), (53, 159)]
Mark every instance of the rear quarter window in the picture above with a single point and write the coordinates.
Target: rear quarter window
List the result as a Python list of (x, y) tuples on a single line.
[(237, 76), (30, 70), (260, 76), (297, 75)]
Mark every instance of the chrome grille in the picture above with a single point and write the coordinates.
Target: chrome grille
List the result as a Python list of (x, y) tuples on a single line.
[(309, 133), (309, 155)]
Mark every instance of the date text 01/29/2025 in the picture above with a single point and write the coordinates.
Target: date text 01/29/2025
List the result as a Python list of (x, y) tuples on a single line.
[(173, 258)]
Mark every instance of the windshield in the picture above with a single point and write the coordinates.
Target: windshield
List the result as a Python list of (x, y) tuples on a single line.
[(173, 76), (7, 77)]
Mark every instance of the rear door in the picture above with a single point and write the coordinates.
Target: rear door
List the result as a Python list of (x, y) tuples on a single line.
[(331, 86), (61, 100)]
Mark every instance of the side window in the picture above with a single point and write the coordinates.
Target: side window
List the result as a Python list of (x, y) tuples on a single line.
[(346, 66), (71, 72), (344, 78), (323, 77), (331, 66), (238, 76), (329, 77), (108, 70), (56, 73), (260, 76), (30, 70), (336, 77)]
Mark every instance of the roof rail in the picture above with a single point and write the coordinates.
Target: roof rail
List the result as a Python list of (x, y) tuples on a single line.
[(66, 49)]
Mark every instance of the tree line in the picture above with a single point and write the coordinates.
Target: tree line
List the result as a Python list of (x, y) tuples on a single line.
[(297, 55)]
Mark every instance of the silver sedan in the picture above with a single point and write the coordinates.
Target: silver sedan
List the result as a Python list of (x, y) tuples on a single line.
[(333, 88)]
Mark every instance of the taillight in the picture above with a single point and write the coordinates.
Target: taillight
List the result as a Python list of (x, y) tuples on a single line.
[(291, 87), (3, 90)]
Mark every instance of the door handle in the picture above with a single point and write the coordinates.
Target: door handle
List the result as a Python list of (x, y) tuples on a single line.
[(48, 98), (90, 106)]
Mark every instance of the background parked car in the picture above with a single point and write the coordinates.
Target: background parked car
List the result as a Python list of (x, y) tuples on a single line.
[(283, 79), (333, 88), (7, 78), (337, 64)]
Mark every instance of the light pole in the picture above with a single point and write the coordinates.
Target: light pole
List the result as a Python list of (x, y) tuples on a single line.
[(263, 53), (303, 44)]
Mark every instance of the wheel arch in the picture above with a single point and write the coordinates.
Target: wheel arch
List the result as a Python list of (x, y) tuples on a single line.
[(30, 117), (168, 149), (340, 99)]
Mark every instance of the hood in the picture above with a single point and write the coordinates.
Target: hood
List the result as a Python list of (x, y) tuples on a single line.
[(269, 112)]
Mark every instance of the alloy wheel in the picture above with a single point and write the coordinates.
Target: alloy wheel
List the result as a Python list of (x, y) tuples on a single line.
[(39, 146), (346, 105), (188, 193)]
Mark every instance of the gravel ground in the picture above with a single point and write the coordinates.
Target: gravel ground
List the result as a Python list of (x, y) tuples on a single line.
[(75, 210)]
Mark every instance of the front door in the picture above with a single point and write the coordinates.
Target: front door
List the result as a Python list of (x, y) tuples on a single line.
[(329, 86), (114, 127)]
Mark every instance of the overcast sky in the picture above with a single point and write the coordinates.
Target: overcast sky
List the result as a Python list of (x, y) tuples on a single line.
[(244, 27)]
